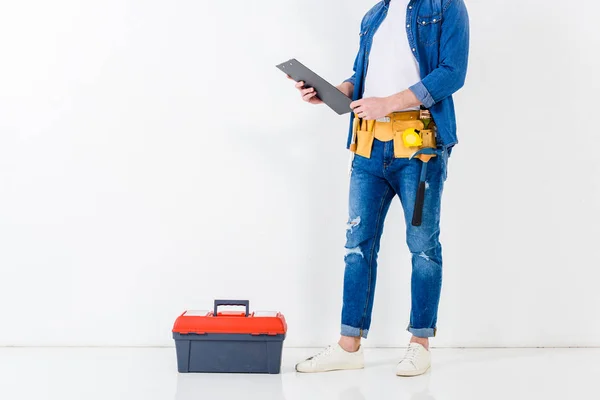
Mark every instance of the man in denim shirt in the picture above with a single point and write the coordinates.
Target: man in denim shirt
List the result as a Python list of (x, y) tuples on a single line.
[(413, 56)]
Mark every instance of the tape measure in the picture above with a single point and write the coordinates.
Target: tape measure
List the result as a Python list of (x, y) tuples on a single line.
[(412, 138)]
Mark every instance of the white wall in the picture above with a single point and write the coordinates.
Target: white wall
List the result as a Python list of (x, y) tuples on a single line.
[(152, 159)]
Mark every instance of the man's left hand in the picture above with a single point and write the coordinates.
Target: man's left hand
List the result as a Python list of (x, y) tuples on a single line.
[(372, 108)]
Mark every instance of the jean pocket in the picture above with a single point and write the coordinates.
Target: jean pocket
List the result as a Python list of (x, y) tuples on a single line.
[(429, 29)]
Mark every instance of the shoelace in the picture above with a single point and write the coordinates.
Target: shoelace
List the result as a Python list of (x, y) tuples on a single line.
[(325, 352), (411, 354)]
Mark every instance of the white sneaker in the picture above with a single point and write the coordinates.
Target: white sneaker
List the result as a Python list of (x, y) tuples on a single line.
[(416, 361), (333, 358)]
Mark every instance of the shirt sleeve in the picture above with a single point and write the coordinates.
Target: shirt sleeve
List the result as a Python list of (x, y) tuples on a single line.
[(451, 72), (352, 79)]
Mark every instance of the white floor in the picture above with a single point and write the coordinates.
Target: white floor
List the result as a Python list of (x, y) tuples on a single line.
[(149, 374)]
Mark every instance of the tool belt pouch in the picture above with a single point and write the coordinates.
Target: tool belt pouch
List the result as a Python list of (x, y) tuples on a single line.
[(364, 143), (362, 138), (400, 150), (428, 137)]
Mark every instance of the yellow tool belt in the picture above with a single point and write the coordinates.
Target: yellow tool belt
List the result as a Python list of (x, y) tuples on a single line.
[(393, 128)]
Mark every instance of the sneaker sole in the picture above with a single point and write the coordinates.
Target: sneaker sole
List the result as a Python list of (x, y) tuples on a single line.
[(413, 373), (329, 370)]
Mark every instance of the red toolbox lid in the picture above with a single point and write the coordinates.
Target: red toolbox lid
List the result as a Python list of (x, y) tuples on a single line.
[(257, 323)]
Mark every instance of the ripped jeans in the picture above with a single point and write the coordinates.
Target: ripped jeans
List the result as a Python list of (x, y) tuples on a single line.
[(373, 185)]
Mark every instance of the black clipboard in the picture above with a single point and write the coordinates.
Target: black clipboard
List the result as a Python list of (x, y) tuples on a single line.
[(336, 100)]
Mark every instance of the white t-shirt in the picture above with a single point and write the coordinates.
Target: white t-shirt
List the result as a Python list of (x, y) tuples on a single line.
[(392, 65)]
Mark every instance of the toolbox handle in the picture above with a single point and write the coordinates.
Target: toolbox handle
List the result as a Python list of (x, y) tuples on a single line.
[(245, 303)]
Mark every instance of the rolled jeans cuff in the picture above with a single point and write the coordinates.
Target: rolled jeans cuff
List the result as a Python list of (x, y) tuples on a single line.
[(354, 332), (422, 332)]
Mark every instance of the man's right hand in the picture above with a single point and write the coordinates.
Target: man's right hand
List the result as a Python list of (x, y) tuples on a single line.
[(309, 95)]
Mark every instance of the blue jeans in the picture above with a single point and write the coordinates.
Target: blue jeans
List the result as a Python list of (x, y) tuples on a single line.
[(373, 185)]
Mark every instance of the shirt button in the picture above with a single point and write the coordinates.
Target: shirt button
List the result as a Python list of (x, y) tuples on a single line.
[(408, 26), (435, 20), (410, 7), (414, 49)]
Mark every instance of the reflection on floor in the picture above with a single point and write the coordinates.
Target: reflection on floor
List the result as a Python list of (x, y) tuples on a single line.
[(150, 373)]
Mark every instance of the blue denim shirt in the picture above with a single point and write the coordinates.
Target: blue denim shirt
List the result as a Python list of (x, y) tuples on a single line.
[(438, 34)]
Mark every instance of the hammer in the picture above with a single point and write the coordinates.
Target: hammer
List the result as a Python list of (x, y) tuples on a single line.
[(427, 154)]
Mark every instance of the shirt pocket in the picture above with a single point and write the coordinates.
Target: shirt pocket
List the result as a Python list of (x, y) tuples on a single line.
[(429, 29)]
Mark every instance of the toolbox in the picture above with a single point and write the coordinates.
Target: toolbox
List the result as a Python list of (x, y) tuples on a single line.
[(229, 341)]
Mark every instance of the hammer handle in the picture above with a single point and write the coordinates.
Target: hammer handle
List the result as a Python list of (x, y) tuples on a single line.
[(418, 212)]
